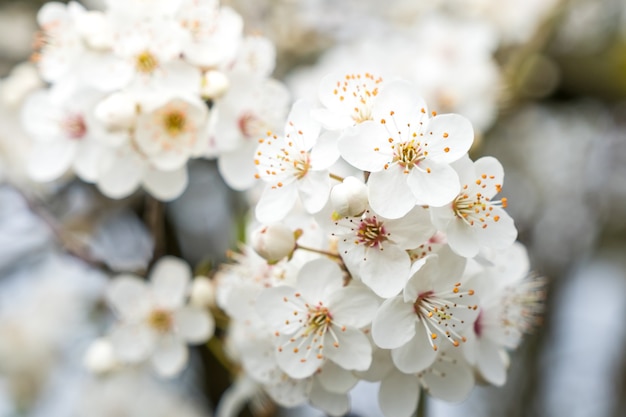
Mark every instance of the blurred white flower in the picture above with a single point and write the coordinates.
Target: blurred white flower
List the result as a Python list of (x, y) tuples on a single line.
[(154, 320)]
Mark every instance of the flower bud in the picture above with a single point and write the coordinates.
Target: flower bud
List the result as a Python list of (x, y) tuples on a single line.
[(349, 198), (100, 357), (214, 84), (274, 242), (202, 292), (117, 112)]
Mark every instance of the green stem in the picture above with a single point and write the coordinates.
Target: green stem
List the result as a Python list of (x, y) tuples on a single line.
[(320, 251), (216, 347), (421, 406)]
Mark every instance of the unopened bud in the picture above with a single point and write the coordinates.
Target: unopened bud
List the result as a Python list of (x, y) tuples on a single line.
[(100, 357), (214, 84), (274, 242), (349, 198), (117, 112), (202, 292)]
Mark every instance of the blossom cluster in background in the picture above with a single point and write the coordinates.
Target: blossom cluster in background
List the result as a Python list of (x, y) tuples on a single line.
[(340, 152)]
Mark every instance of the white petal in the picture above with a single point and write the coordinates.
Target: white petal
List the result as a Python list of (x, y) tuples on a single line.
[(353, 350), (394, 324), (399, 395), (314, 190), (500, 234), (386, 271), (416, 355), (336, 379), (194, 325), (389, 192), (129, 297), (165, 185), (331, 120), (353, 306), (121, 175), (275, 203), (423, 271), (462, 239), (450, 136), (411, 230), (170, 356), (450, 378), (333, 404), (48, 161), (296, 359), (132, 342), (302, 125), (318, 279), (325, 152), (170, 281), (86, 161), (358, 146), (237, 167), (489, 362), (277, 305), (435, 188), (290, 392), (489, 170), (403, 99)]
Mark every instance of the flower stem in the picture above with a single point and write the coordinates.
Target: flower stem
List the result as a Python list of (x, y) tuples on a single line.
[(216, 347), (320, 251), (421, 406), (335, 177)]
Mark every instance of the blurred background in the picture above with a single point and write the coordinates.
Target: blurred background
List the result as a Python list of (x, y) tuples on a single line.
[(544, 82)]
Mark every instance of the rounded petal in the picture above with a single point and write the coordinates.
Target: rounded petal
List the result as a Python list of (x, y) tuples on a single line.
[(132, 342), (333, 404), (394, 324), (399, 395), (358, 147), (86, 161), (296, 359), (314, 190), (450, 136), (449, 379), (237, 167), (353, 306), (194, 325), (170, 356), (489, 362), (437, 185), (165, 186), (325, 152), (411, 230), (48, 161), (336, 379), (416, 355), (289, 392), (385, 271), (352, 350), (401, 99), (276, 305), (318, 279), (275, 203), (389, 192), (120, 175), (170, 281), (129, 296)]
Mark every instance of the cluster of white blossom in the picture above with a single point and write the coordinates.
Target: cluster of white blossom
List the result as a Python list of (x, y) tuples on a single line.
[(382, 254), (138, 89)]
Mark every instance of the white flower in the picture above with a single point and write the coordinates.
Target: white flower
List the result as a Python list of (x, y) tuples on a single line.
[(154, 321), (318, 320), (449, 379), (510, 304), (347, 99), (65, 133), (273, 242), (435, 305), (169, 133), (293, 166), (474, 221), (374, 248), (100, 356), (202, 292), (407, 153)]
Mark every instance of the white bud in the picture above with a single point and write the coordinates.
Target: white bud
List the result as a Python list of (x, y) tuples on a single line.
[(274, 242), (349, 198), (100, 357), (95, 30), (202, 292), (214, 84), (117, 112)]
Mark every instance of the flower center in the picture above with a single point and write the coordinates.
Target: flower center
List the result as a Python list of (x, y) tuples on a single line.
[(160, 320), (146, 62), (408, 154), (476, 209), (302, 166), (174, 122), (249, 125), (74, 126), (371, 232), (319, 319)]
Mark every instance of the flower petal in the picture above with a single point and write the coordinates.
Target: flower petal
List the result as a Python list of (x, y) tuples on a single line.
[(318, 279), (194, 325), (170, 281), (129, 297), (385, 271), (399, 395), (389, 192), (450, 136), (132, 342), (165, 185), (170, 356), (416, 355), (353, 306), (336, 379), (352, 350), (394, 324), (275, 203), (333, 404), (437, 185)]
